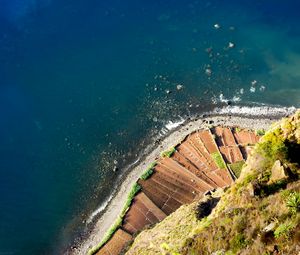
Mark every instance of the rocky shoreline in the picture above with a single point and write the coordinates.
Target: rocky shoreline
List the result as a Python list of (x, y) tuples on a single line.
[(174, 137)]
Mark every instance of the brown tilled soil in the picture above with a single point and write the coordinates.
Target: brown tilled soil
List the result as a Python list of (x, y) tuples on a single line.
[(116, 243), (186, 175)]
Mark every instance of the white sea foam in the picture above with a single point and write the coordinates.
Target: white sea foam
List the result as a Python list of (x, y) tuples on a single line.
[(255, 110), (100, 209), (223, 99), (103, 206), (171, 125)]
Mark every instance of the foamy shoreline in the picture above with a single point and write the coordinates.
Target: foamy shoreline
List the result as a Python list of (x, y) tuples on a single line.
[(253, 118)]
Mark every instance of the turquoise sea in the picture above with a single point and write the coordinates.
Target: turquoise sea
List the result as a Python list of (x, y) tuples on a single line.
[(84, 85)]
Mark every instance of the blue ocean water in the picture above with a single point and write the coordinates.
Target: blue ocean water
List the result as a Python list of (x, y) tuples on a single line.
[(83, 83)]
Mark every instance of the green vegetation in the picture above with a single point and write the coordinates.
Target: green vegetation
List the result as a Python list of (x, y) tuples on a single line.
[(148, 172), (217, 157), (238, 242), (283, 230), (273, 146), (134, 190), (167, 250), (236, 168), (118, 222), (168, 153), (293, 202), (260, 132), (169, 235), (285, 193)]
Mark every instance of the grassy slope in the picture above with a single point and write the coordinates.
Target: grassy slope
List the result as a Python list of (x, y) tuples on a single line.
[(170, 234), (237, 224)]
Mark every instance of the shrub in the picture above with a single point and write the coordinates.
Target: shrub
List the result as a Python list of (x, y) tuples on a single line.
[(148, 172), (283, 230), (293, 202), (247, 179), (135, 189), (168, 153), (273, 146), (260, 132), (217, 157), (238, 242), (285, 193)]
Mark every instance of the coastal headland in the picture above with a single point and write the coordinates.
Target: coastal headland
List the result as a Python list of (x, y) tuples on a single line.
[(198, 156)]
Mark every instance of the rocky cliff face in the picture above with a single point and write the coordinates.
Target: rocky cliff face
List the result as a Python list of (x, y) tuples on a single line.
[(259, 214)]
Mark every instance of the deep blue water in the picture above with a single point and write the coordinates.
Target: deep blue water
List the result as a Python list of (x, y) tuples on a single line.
[(84, 82)]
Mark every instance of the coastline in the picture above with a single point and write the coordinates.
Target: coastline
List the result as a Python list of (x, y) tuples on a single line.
[(115, 203)]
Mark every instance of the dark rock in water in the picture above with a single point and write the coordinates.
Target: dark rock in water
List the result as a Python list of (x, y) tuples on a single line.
[(157, 141), (208, 71), (229, 102), (231, 45), (179, 87)]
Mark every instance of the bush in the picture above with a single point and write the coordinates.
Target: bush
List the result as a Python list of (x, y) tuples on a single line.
[(283, 230), (238, 242), (168, 153), (285, 193), (293, 202), (135, 189), (148, 172), (217, 157), (260, 132), (273, 146)]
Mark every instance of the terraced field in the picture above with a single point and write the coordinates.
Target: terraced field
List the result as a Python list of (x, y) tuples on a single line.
[(204, 160)]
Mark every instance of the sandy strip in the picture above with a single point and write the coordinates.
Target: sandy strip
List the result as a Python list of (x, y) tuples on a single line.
[(116, 204)]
